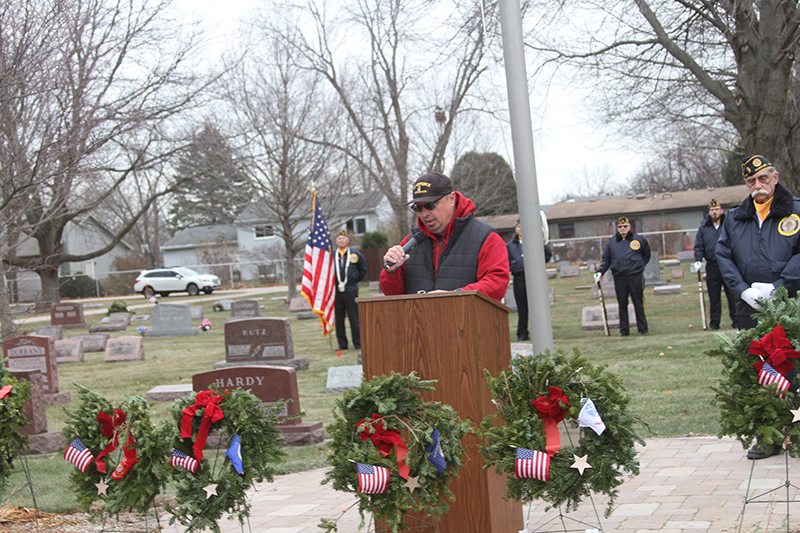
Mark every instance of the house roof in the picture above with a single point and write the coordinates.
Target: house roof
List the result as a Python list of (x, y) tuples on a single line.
[(202, 235), (345, 207), (646, 203)]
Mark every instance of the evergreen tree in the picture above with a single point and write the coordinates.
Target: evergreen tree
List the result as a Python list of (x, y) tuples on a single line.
[(217, 190), (487, 180)]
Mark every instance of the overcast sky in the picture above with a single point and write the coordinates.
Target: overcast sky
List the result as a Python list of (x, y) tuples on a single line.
[(565, 143)]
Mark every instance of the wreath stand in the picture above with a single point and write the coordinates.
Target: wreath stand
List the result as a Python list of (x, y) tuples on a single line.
[(28, 483), (138, 523), (757, 498), (424, 524), (563, 518)]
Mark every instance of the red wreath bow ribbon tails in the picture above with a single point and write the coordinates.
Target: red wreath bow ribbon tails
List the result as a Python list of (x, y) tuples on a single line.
[(385, 440), (777, 349), (111, 427), (552, 413), (209, 402)]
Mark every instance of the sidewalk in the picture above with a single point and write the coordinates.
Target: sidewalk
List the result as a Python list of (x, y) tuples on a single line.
[(686, 485)]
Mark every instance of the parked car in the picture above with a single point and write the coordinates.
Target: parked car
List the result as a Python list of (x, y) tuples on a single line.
[(166, 280)]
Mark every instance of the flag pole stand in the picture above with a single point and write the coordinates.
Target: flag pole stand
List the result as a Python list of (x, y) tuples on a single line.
[(759, 498), (27, 483)]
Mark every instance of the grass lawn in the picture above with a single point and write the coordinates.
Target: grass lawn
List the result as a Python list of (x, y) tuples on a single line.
[(666, 374)]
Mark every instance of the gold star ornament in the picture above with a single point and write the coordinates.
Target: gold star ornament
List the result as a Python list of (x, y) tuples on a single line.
[(581, 463), (211, 490), (102, 487), (412, 484)]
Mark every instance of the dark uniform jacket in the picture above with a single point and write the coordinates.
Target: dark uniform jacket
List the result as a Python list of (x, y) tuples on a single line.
[(625, 257), (515, 262), (356, 267), (747, 253), (706, 241)]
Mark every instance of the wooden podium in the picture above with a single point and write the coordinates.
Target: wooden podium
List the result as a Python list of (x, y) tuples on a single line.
[(450, 337)]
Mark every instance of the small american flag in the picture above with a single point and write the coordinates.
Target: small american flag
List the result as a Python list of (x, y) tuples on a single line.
[(768, 375), (372, 479), (318, 283), (532, 464), (77, 454), (181, 459)]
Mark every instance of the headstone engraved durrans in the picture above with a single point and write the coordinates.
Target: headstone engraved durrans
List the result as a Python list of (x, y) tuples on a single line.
[(171, 320), (270, 384), (249, 307), (68, 315), (124, 349), (36, 352), (260, 340)]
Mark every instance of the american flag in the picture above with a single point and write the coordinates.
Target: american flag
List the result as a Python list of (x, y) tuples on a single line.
[(181, 459), (532, 464), (372, 479), (77, 454), (318, 283), (768, 375)]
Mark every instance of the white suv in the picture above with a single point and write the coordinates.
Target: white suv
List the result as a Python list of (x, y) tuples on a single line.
[(166, 280)]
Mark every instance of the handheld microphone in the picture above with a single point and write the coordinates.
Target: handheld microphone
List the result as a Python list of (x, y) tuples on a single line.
[(416, 238)]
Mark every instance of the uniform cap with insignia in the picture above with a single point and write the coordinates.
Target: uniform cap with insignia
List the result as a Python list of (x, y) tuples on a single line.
[(754, 163), (342, 233), (430, 187), (713, 203), (623, 220)]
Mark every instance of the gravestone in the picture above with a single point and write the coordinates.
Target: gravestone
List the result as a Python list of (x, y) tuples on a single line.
[(608, 291), (35, 352), (569, 271), (306, 315), (246, 308), (375, 286), (68, 315), (652, 271), (666, 289), (223, 305), (69, 351), (686, 257), (677, 273), (511, 300), (260, 341), (127, 348), (171, 320), (56, 332), (593, 266), (196, 312), (113, 322), (551, 294), (344, 378), (592, 317), (270, 384), (299, 304), (42, 307), (168, 393), (92, 342), (141, 318), (40, 440)]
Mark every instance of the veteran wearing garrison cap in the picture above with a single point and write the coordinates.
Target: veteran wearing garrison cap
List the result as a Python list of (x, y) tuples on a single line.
[(350, 268), (705, 245), (626, 254)]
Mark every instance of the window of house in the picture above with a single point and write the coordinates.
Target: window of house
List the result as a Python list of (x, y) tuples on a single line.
[(357, 225), (263, 231), (566, 231)]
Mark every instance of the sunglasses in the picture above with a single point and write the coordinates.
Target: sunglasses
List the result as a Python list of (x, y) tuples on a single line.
[(430, 206)]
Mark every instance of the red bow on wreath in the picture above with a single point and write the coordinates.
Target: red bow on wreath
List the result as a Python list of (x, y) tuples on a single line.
[(110, 429), (777, 349), (385, 440), (208, 401), (552, 413)]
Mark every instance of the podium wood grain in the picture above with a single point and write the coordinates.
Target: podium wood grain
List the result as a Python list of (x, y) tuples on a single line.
[(450, 337)]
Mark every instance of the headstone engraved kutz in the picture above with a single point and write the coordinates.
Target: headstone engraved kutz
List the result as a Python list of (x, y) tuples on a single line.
[(246, 308), (260, 341), (171, 320), (36, 352), (68, 315), (270, 384)]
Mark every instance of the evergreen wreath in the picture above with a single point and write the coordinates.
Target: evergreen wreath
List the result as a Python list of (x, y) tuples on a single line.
[(146, 478), (260, 441), (397, 399), (748, 410), (12, 418), (610, 454)]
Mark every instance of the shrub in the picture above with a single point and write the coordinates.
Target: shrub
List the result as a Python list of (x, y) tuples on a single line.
[(118, 307), (122, 283), (79, 285), (374, 240)]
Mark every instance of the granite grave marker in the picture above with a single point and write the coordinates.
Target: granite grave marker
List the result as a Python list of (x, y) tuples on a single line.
[(126, 348), (69, 315), (92, 342), (246, 308), (69, 351), (171, 320)]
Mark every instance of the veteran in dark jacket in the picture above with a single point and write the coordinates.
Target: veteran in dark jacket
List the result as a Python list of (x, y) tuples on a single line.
[(349, 267), (705, 245), (626, 254), (759, 246)]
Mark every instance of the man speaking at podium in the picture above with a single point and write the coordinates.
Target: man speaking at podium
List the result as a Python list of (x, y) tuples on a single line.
[(455, 251)]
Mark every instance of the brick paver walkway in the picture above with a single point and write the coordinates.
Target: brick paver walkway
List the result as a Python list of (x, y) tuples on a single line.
[(686, 485)]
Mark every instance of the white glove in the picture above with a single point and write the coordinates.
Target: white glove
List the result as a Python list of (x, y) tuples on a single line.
[(750, 295), (597, 277), (765, 289), (696, 266)]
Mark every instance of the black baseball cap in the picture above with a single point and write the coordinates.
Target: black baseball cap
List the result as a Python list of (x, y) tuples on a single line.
[(430, 187)]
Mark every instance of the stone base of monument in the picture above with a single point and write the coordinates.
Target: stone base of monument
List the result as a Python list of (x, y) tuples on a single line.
[(667, 289), (172, 332), (306, 315), (75, 326), (107, 327), (168, 393), (48, 442), (302, 433), (58, 398), (298, 363)]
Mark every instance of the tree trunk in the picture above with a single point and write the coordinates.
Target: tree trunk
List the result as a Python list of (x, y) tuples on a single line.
[(7, 324), (49, 278), (290, 271)]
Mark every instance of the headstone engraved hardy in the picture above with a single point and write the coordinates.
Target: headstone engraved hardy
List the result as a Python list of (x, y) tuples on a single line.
[(245, 308), (171, 320), (69, 315)]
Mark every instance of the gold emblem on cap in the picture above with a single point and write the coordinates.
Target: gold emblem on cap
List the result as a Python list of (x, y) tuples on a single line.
[(756, 162)]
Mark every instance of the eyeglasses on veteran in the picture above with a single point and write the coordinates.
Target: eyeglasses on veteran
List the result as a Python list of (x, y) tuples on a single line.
[(430, 206)]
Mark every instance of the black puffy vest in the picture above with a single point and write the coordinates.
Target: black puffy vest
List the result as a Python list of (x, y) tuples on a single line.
[(458, 265)]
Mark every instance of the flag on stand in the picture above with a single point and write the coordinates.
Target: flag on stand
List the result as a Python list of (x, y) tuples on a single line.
[(372, 479), (78, 454), (234, 453), (532, 464), (768, 375), (181, 459), (318, 282), (436, 456)]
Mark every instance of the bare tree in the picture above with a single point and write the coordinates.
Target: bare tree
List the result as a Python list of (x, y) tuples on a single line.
[(591, 181), (89, 88), (725, 66)]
